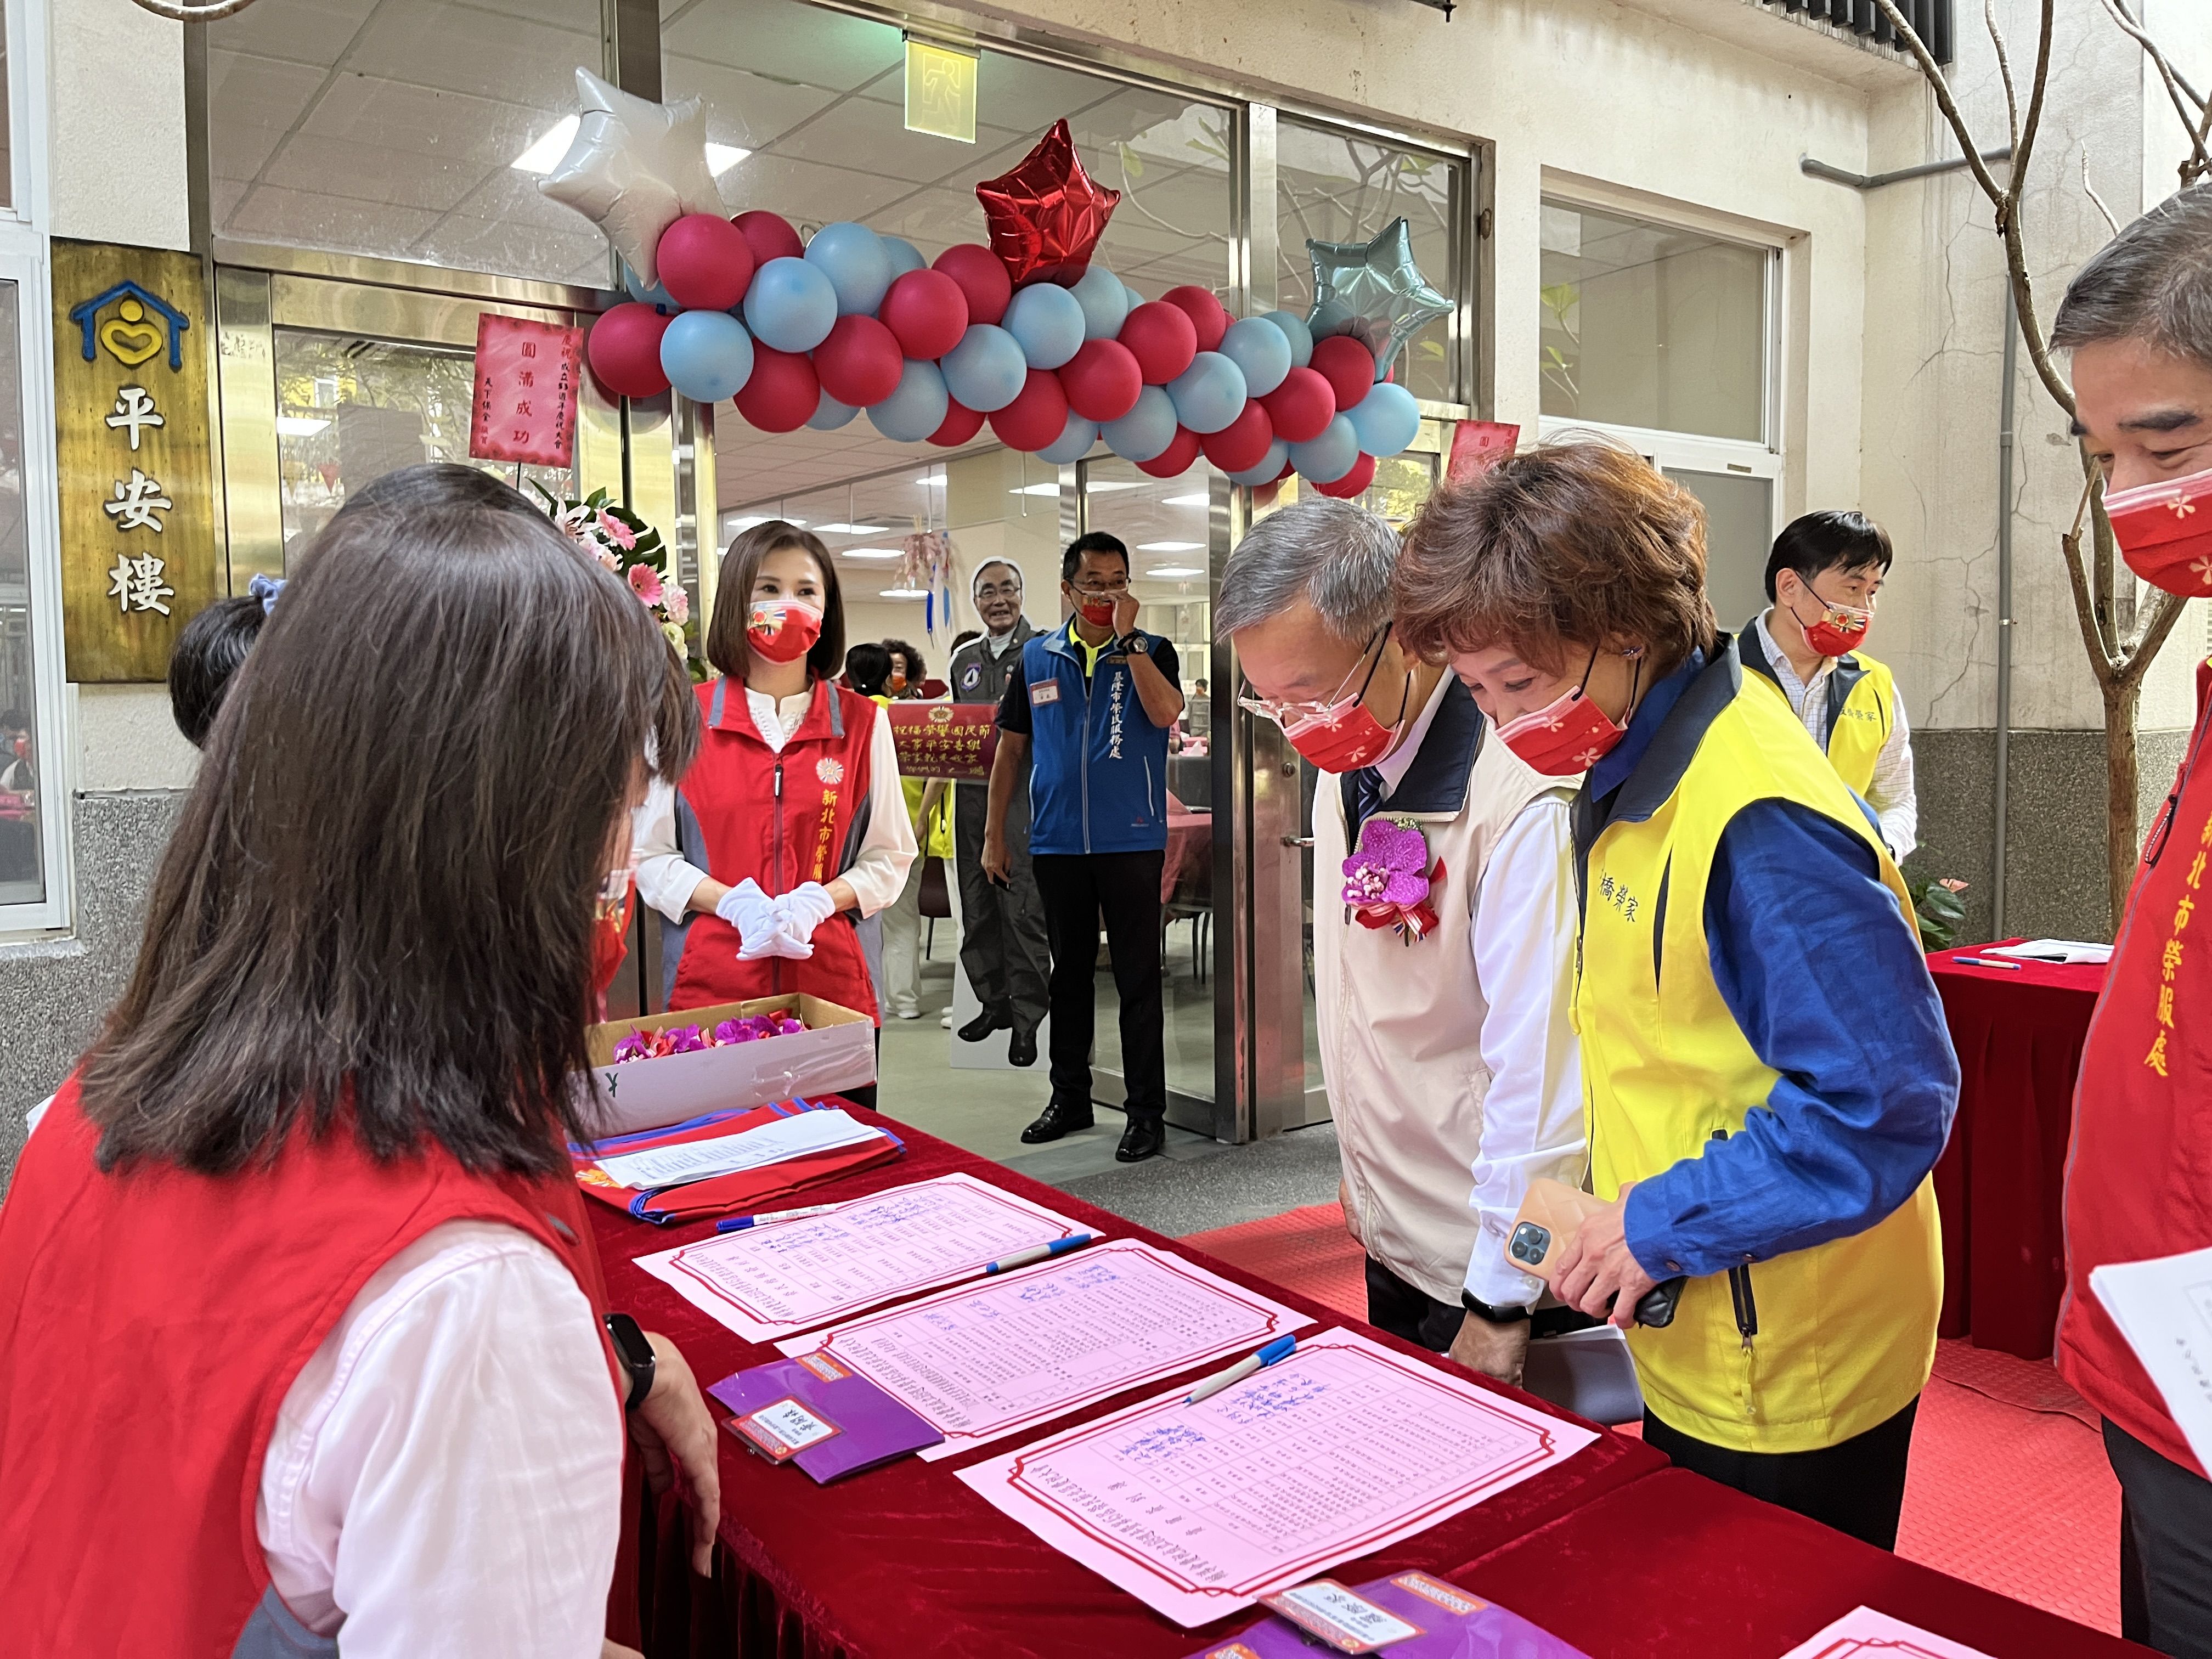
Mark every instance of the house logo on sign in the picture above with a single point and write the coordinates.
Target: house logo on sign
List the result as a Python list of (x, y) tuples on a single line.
[(143, 323)]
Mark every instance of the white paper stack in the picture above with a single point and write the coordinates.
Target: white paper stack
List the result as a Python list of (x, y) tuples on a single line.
[(796, 1136), (2164, 1308), (2050, 950)]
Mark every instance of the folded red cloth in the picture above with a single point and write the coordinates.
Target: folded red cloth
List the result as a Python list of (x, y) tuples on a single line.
[(741, 1191)]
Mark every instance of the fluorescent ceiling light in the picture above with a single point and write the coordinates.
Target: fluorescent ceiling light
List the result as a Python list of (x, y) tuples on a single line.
[(868, 553), (1097, 487), (301, 426), (902, 593), (850, 529), (933, 481), (732, 526), (1198, 499), (1168, 547), (720, 158), (545, 153), (1172, 572)]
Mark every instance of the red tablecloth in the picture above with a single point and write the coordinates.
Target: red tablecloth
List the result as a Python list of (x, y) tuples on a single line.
[(906, 1561), (2000, 1182)]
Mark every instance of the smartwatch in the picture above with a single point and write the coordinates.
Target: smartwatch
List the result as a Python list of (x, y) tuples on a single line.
[(1489, 1314), (635, 1355)]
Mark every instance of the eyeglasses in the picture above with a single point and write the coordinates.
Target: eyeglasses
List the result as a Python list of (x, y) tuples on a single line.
[(998, 591), (1288, 713), (1110, 591)]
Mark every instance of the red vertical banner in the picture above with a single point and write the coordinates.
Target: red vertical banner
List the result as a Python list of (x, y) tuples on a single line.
[(526, 400), (1477, 444)]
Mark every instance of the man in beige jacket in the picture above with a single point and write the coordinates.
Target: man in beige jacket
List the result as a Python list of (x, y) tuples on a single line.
[(1442, 992)]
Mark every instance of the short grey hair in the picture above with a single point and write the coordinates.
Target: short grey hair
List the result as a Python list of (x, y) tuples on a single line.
[(2152, 282), (1335, 555)]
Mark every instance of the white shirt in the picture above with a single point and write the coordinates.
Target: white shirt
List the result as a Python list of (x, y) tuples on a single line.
[(1890, 791), (666, 879), (445, 1474)]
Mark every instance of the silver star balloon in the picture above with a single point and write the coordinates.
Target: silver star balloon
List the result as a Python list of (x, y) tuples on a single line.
[(1372, 291), (635, 168)]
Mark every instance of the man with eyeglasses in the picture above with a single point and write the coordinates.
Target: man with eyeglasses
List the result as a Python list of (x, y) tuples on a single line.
[(1002, 934), (1444, 927), (1087, 720)]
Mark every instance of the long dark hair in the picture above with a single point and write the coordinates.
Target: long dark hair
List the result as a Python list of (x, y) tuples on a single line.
[(734, 600), (377, 906)]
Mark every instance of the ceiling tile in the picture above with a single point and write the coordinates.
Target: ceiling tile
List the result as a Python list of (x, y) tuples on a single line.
[(305, 31), (511, 58), (783, 40), (343, 167), (747, 110), (254, 102), (872, 138), (300, 220), (805, 192)]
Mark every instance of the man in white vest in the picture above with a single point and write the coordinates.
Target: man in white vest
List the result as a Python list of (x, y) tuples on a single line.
[(1443, 921)]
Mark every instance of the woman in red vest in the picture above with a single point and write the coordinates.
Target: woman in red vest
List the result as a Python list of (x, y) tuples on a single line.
[(790, 833), (304, 1333)]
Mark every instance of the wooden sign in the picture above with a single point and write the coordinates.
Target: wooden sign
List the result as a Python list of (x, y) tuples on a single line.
[(525, 396), (139, 558), (945, 740)]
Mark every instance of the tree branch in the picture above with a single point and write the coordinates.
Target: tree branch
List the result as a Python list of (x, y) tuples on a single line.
[(2085, 609), (2162, 619), (2024, 144), (2178, 91), (2095, 200), (1933, 74), (2004, 69)]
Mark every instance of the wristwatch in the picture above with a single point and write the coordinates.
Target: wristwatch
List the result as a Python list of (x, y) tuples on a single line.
[(1489, 1314), (634, 1354), (1136, 641)]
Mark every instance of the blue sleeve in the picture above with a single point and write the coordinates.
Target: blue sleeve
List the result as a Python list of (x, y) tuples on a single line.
[(1828, 984)]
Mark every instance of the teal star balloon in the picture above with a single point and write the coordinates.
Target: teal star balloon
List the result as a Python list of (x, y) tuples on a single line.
[(1372, 291)]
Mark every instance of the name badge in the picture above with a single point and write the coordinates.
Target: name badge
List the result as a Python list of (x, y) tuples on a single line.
[(1346, 1620), (783, 1429), (1042, 692)]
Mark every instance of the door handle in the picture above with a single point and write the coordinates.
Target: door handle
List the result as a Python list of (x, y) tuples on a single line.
[(1297, 841)]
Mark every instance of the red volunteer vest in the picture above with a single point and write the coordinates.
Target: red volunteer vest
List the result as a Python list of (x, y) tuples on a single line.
[(2139, 1177), (783, 819), (151, 1323)]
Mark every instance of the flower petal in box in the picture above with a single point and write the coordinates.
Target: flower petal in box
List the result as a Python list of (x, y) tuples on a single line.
[(667, 1068)]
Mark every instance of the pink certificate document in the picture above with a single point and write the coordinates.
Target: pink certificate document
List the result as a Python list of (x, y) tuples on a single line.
[(1340, 1449), (770, 1280), (1862, 1633), (1012, 1352)]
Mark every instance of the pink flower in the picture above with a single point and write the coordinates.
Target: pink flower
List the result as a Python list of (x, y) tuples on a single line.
[(607, 557), (1389, 867), (616, 531), (645, 582), (632, 1047), (675, 602)]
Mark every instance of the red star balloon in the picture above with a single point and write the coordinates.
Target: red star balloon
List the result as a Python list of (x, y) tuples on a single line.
[(1047, 216)]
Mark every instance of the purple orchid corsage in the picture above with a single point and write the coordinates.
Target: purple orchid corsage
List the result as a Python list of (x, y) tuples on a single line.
[(1387, 880)]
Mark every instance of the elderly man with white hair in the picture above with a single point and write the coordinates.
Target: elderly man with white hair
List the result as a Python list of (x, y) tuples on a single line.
[(1443, 933)]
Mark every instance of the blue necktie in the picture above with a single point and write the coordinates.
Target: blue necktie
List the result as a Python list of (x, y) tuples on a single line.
[(1363, 791)]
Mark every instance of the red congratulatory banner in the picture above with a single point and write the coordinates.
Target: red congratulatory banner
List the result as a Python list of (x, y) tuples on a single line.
[(945, 740)]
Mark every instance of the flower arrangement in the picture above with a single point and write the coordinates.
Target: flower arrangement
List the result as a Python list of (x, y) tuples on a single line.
[(690, 1039), (633, 550), (1387, 880)]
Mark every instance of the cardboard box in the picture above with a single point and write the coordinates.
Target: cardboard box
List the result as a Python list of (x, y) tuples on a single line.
[(837, 1051)]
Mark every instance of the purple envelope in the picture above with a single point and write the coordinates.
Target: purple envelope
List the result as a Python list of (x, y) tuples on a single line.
[(1454, 1623), (872, 1428)]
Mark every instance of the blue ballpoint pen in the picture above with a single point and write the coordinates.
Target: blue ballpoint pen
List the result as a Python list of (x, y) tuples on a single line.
[(1281, 1348), (737, 1224), (1007, 1264)]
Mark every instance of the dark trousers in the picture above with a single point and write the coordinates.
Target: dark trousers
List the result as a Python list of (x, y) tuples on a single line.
[(1078, 889), (2165, 1549), (1856, 1486), (1406, 1311), (1002, 932)]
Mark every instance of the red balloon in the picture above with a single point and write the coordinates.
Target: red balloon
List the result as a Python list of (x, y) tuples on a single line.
[(783, 392), (1046, 215), (1164, 338), (1244, 443), (1204, 311), (1347, 365), (1038, 415), (982, 277), (859, 362), (928, 311), (770, 235), (1352, 482), (961, 423), (1103, 380), (624, 350), (1302, 407), (1175, 458), (704, 262)]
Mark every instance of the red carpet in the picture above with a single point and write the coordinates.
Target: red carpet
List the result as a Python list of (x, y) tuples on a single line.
[(2010, 1488)]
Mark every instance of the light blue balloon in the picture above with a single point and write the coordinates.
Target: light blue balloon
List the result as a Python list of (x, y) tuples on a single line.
[(986, 370), (1329, 456), (828, 414), (905, 256), (1105, 303), (1386, 419), (1074, 443), (1135, 298), (706, 355), (1209, 394), (1258, 347), (1296, 332), (916, 409), (655, 296), (791, 304), (856, 263), (1047, 322), (1330, 317), (1146, 430), (1267, 470)]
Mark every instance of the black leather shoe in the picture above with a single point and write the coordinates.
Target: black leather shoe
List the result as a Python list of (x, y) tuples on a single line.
[(995, 1016), (1021, 1048), (1146, 1137), (1058, 1119)]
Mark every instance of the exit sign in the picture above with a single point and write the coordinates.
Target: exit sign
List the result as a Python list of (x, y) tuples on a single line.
[(940, 91)]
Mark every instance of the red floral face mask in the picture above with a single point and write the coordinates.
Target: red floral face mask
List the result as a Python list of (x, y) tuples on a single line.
[(1339, 736), (1570, 733), (2164, 533)]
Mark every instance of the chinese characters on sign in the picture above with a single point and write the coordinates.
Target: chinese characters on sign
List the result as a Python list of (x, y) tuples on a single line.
[(138, 520), (526, 396), (945, 740)]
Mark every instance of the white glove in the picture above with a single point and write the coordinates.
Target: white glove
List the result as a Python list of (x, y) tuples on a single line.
[(752, 913), (803, 909)]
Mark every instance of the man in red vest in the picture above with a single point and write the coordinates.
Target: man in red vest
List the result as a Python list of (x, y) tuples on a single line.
[(2138, 320)]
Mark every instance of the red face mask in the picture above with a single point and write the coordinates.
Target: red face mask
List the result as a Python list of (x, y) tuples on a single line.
[(2164, 533), (1342, 736), (1099, 613), (1569, 734), (783, 630), (1839, 630)]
